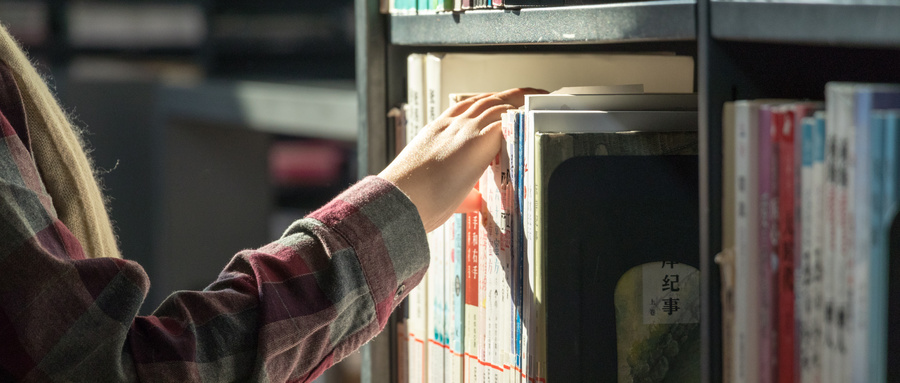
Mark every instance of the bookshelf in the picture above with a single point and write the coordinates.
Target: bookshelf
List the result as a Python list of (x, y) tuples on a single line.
[(743, 50)]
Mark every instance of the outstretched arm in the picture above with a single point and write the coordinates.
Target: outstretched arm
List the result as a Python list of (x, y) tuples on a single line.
[(283, 312)]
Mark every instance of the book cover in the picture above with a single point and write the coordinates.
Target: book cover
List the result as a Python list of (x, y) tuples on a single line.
[(657, 308), (624, 221), (542, 122), (571, 122), (448, 73)]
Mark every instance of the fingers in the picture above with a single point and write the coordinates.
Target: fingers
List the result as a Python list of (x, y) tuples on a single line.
[(476, 105), (492, 115)]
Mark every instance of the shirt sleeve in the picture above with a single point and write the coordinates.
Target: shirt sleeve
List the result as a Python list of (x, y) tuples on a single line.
[(283, 312)]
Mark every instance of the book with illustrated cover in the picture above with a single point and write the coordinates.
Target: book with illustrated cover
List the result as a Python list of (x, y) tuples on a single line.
[(600, 162), (658, 323)]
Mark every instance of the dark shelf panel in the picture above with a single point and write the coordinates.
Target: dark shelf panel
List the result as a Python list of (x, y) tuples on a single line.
[(666, 20), (823, 23)]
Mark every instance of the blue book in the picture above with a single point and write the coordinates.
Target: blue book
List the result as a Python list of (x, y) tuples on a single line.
[(456, 304), (869, 296)]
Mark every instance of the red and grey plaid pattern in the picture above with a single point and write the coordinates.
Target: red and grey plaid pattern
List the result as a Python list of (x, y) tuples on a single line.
[(283, 312)]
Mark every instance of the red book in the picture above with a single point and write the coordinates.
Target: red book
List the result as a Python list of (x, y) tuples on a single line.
[(783, 135)]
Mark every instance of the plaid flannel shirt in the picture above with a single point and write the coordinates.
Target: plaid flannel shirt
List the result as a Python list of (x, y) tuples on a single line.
[(283, 312)]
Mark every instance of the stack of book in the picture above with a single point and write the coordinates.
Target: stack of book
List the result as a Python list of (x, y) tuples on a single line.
[(810, 196), (562, 256)]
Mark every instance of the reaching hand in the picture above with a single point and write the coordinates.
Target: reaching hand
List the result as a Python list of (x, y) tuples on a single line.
[(438, 169)]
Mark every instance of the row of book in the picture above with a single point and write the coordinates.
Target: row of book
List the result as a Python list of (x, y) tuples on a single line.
[(585, 243), (810, 193), (412, 7)]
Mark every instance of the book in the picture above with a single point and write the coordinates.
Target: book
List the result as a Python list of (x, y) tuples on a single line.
[(725, 258), (767, 237), (745, 354), (471, 365), (415, 93), (435, 306), (454, 290), (448, 73), (866, 188), (887, 245), (613, 101), (794, 276), (657, 308), (565, 335)]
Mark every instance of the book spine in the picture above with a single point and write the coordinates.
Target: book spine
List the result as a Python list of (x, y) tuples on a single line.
[(767, 237), (842, 287), (528, 302), (513, 278), (433, 84), (872, 365), (484, 271), (520, 245), (540, 314), (418, 338), (472, 310), (830, 371), (784, 132), (415, 94), (436, 340), (803, 123), (745, 353), (861, 252), (455, 287), (804, 279), (818, 232)]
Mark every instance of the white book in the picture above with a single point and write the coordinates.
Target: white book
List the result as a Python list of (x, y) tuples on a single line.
[(839, 97), (448, 73), (453, 291), (415, 94), (818, 233), (804, 277), (416, 325), (436, 332), (746, 327)]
